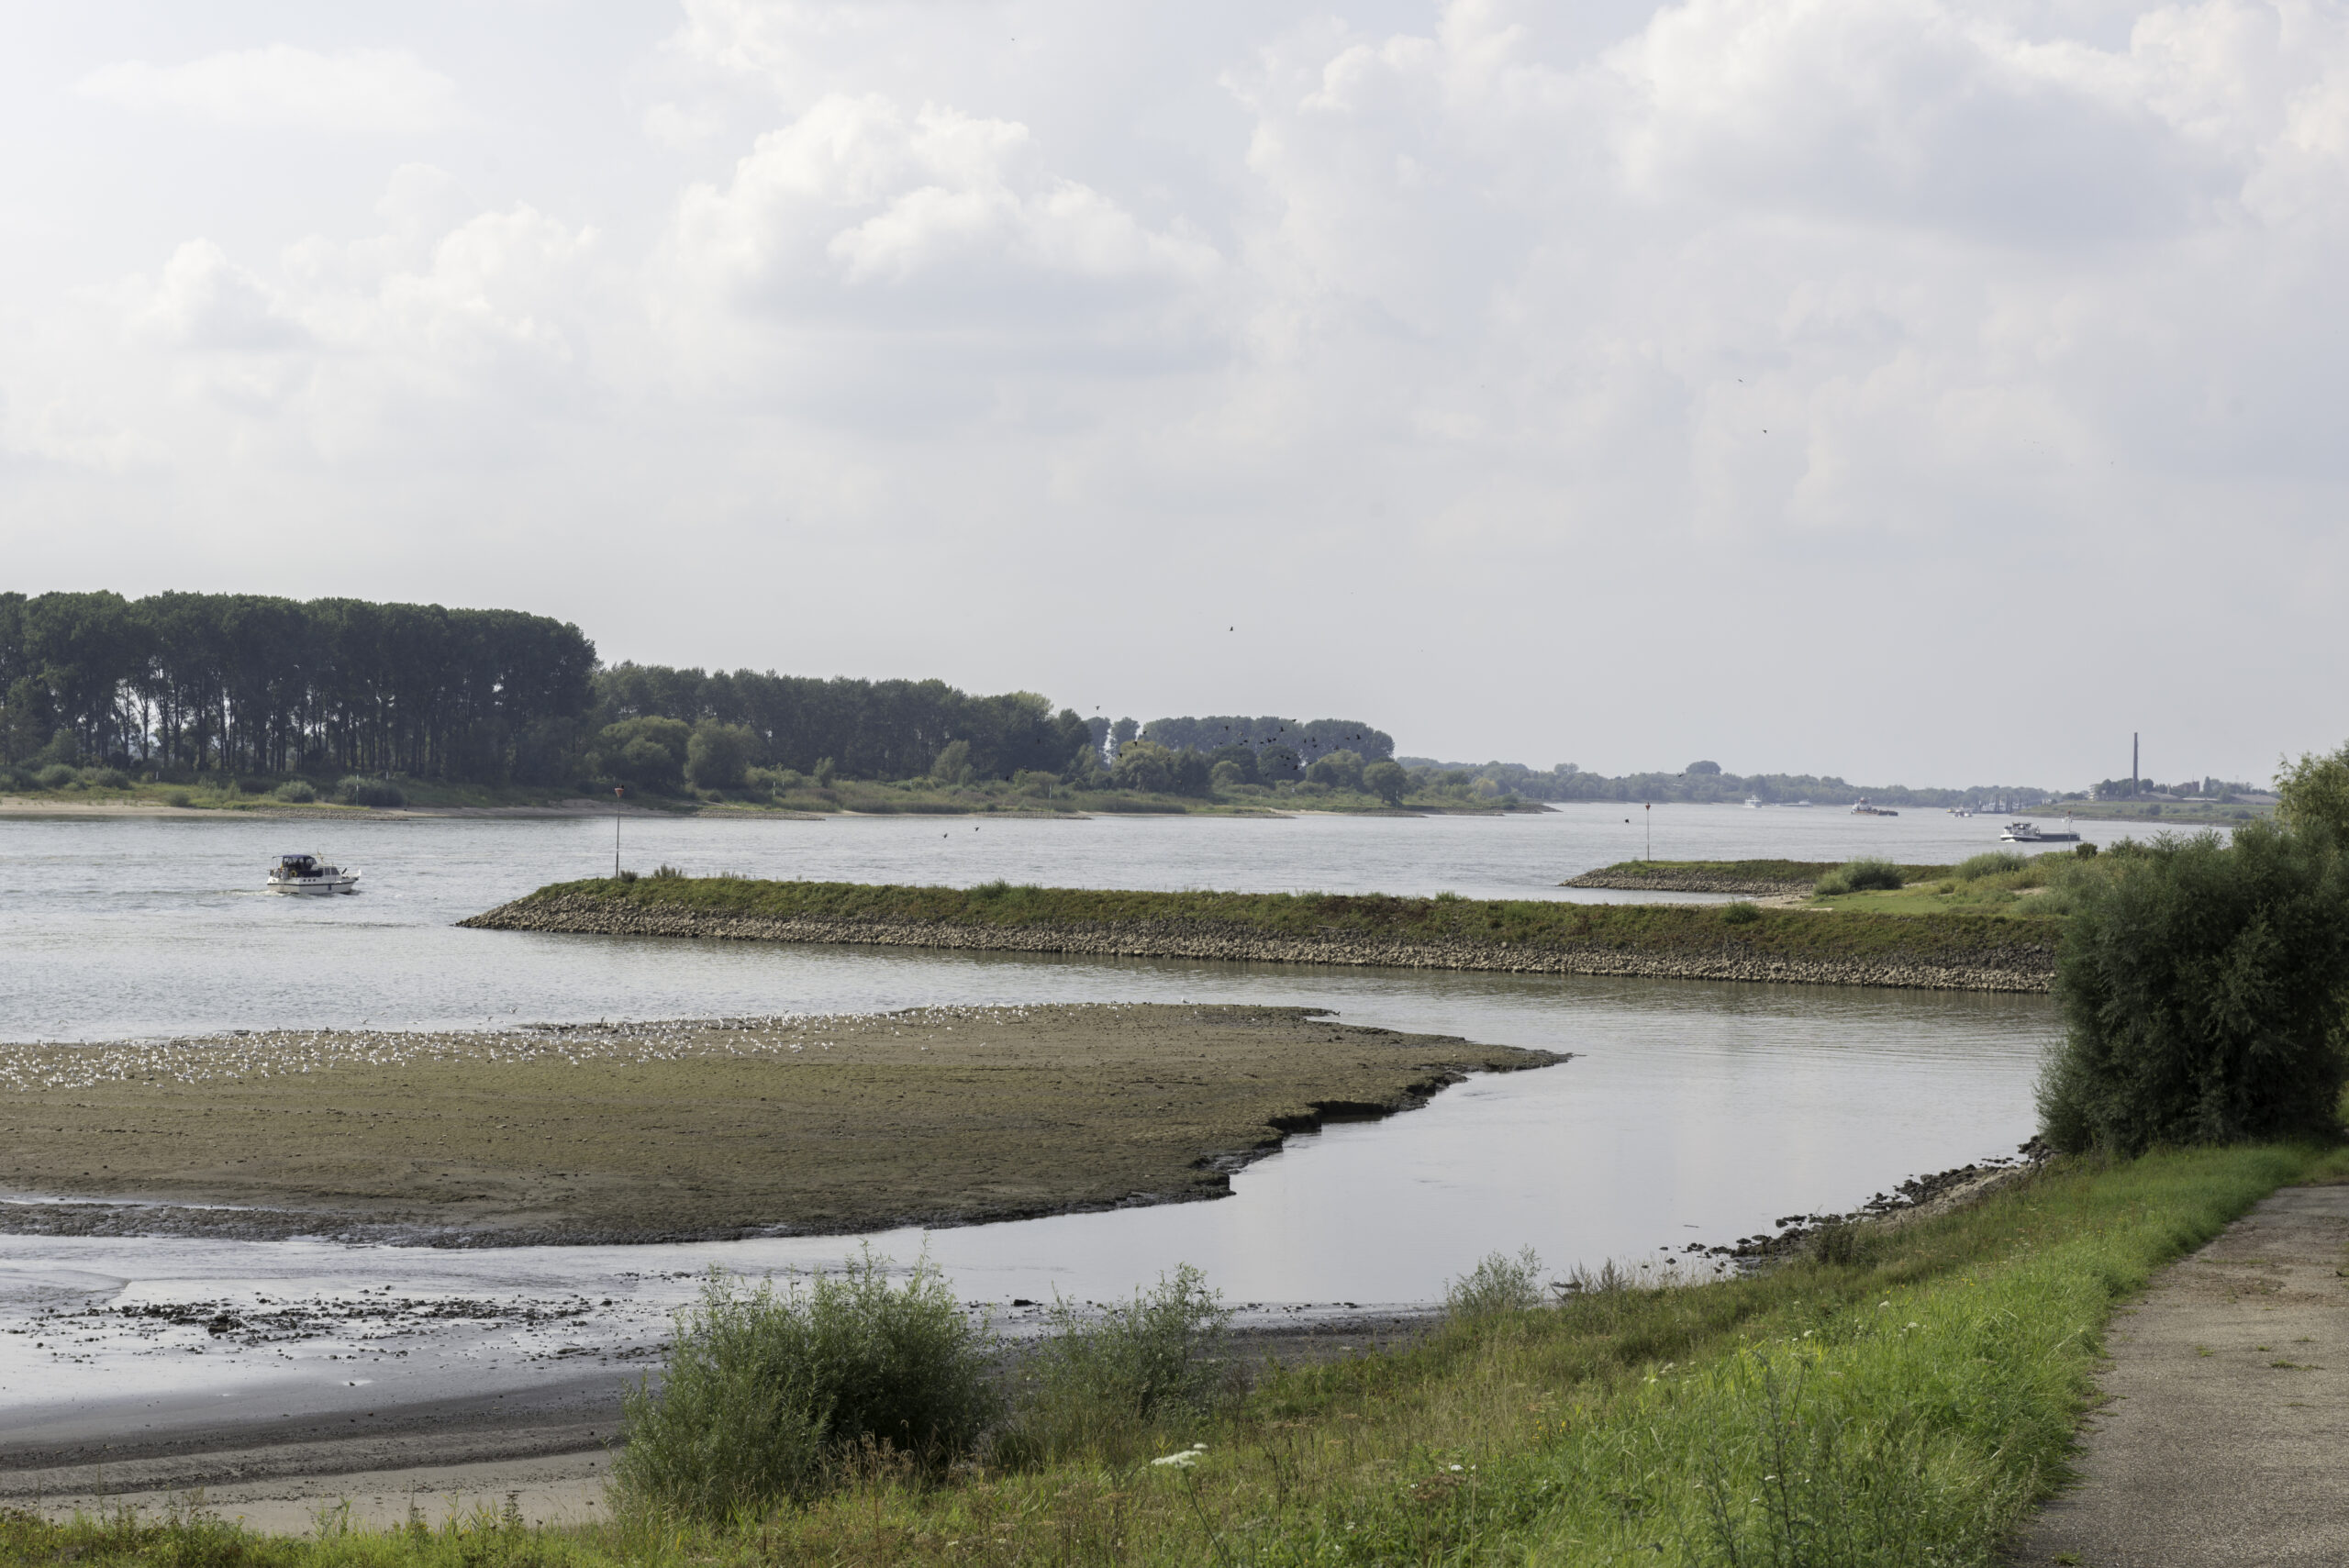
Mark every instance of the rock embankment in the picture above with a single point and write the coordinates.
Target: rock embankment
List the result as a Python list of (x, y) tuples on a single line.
[(2016, 967), (1688, 882)]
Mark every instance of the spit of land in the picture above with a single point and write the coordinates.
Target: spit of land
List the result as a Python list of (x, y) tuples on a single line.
[(690, 1129)]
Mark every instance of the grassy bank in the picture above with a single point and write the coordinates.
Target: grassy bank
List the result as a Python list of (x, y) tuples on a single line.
[(1028, 796), (1526, 928), (1665, 874), (1902, 1398)]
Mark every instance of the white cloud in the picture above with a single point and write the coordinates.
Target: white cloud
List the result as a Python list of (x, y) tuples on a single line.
[(858, 191), (1452, 320), (205, 301), (287, 87)]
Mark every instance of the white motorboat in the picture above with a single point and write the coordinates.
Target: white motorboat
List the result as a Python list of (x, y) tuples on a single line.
[(2032, 833), (1864, 809), (1753, 803), (307, 873)]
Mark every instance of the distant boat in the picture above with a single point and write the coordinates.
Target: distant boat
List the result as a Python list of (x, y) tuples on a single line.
[(2032, 833), (1802, 804), (1753, 803), (1864, 809), (307, 873)]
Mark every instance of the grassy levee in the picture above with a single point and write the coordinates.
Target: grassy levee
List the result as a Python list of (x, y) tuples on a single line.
[(1907, 1404), (1994, 952), (1757, 873)]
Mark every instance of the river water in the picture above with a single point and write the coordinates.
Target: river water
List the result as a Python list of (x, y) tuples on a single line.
[(1689, 1112)]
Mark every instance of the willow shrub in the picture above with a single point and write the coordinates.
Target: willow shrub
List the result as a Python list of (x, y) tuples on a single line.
[(2202, 987), (1869, 873), (1112, 1386), (765, 1391)]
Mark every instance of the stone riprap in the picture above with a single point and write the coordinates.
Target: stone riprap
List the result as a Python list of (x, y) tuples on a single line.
[(2014, 966), (1688, 882)]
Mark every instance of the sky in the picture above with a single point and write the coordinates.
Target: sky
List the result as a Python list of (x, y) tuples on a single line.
[(1913, 391)]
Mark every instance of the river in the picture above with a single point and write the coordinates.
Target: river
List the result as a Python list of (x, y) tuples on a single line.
[(1690, 1111)]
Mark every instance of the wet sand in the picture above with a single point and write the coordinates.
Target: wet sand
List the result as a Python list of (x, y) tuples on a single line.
[(695, 1130)]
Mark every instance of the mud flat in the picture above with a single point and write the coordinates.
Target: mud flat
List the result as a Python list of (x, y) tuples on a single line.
[(696, 1130), (1946, 953)]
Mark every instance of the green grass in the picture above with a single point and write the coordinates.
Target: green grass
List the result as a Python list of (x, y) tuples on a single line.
[(1909, 1404), (1803, 871), (1685, 929)]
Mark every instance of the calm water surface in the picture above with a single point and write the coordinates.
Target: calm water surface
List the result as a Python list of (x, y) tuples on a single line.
[(1689, 1112), (148, 926)]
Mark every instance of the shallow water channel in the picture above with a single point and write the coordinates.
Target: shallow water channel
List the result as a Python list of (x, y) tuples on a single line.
[(1689, 1113)]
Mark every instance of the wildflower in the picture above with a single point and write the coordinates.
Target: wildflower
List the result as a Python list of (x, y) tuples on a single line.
[(1185, 1460)]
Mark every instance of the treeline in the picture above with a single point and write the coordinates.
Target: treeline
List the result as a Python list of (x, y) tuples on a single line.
[(1303, 743), (1704, 782), (244, 683), (188, 684), (846, 727)]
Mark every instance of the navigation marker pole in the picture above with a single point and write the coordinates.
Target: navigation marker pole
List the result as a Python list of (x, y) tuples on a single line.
[(1648, 816), (616, 793)]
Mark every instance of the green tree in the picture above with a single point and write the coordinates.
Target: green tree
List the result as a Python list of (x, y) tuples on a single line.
[(952, 763), (1144, 765), (1337, 769), (647, 752), (718, 756), (2202, 986), (2313, 793), (1387, 781)]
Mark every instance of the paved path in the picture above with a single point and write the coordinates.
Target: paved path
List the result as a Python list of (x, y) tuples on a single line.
[(2226, 1434)]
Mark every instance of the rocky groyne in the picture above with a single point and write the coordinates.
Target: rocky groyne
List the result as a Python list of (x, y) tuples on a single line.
[(2018, 966), (1689, 881)]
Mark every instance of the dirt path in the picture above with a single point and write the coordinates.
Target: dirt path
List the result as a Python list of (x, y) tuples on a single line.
[(2225, 1438)]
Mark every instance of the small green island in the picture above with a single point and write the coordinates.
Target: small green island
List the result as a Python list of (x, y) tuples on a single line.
[(1952, 950)]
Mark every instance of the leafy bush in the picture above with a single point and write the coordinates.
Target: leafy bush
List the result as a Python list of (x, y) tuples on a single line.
[(1992, 863), (2203, 987), (57, 775), (664, 871), (1498, 1284), (1870, 875), (358, 791), (1741, 912), (764, 1389), (178, 797), (2314, 793), (1107, 1385), (1833, 886), (296, 792), (108, 778)]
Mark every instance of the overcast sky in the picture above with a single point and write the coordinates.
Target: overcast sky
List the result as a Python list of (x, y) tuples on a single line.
[(1913, 391)]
